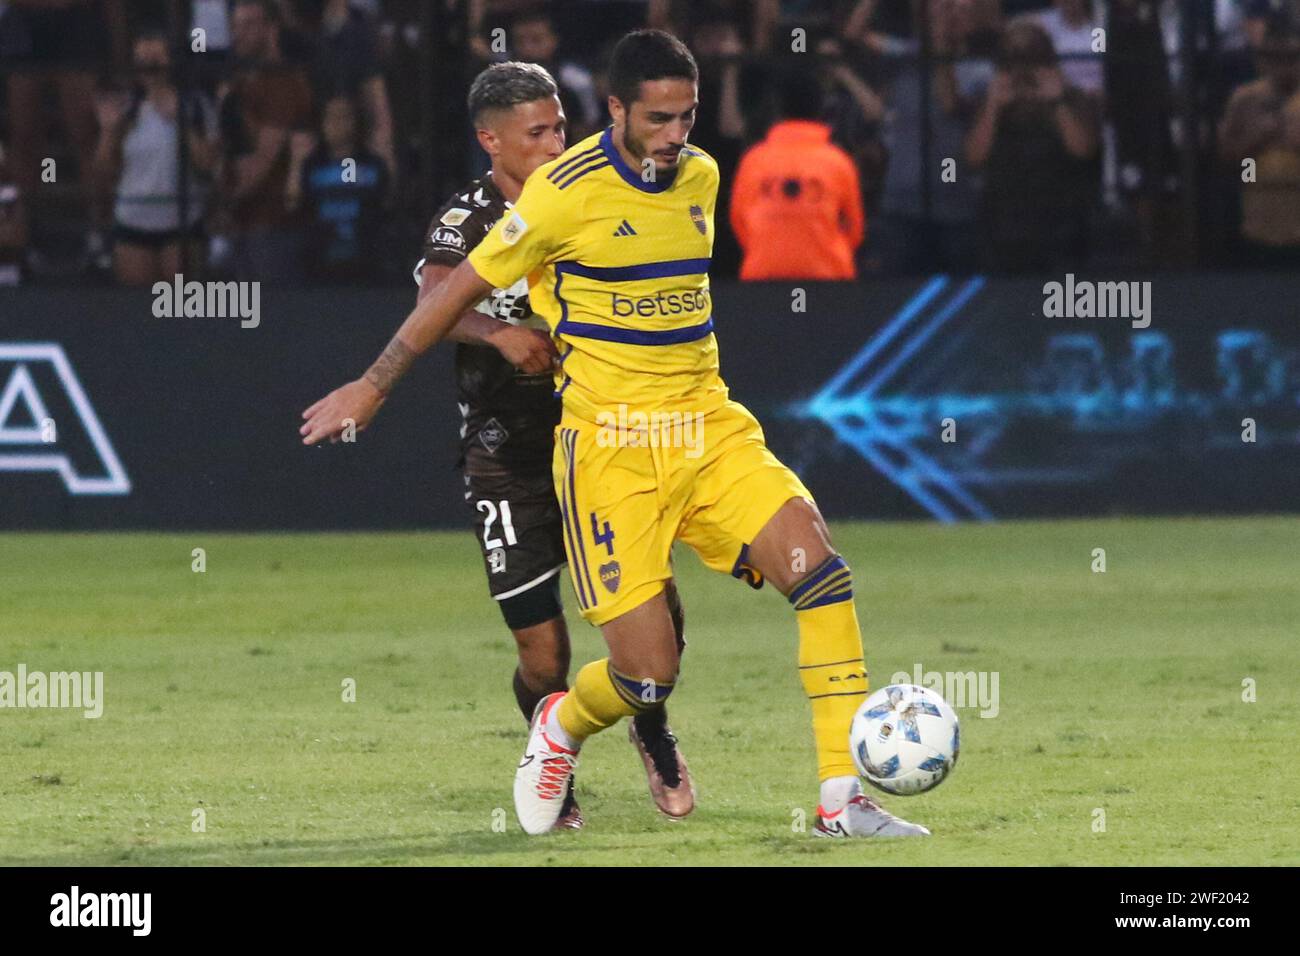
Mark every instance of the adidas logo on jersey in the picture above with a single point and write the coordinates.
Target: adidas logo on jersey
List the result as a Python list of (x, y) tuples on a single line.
[(625, 229)]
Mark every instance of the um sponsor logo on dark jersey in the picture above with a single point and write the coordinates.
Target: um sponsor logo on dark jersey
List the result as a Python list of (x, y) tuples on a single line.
[(509, 417)]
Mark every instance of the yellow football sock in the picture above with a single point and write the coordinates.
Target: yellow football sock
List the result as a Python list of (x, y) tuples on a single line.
[(593, 703), (830, 662)]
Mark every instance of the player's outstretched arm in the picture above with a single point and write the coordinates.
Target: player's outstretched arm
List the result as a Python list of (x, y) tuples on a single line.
[(529, 350), (358, 401)]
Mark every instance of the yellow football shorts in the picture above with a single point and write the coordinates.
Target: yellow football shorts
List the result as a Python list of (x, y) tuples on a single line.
[(629, 488)]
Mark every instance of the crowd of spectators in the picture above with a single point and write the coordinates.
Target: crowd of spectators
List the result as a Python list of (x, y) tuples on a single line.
[(272, 139)]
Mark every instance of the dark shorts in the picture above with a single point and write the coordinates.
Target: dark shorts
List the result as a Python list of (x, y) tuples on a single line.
[(517, 523)]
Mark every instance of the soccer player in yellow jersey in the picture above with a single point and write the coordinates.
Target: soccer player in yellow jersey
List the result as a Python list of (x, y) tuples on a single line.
[(615, 238)]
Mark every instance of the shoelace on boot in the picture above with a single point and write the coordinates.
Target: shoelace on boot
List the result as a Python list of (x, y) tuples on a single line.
[(662, 749), (552, 783)]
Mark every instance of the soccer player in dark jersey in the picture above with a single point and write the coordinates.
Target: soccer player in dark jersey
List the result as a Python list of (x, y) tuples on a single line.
[(506, 393)]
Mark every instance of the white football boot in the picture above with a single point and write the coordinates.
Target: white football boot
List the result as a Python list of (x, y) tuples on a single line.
[(862, 817), (545, 770)]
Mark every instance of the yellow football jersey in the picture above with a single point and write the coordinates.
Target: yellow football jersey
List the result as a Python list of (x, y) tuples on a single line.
[(618, 267)]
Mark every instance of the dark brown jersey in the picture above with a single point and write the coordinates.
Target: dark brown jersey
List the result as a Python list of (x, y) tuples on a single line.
[(509, 417)]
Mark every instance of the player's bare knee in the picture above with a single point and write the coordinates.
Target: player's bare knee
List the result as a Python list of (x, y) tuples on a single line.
[(543, 665), (802, 522), (543, 680), (793, 543), (546, 672)]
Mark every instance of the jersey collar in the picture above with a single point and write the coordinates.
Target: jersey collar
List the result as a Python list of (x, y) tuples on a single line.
[(492, 190), (630, 175)]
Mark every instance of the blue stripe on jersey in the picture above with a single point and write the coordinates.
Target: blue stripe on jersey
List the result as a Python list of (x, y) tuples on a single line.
[(631, 176), (564, 306), (600, 163), (646, 270), (569, 163), (610, 333)]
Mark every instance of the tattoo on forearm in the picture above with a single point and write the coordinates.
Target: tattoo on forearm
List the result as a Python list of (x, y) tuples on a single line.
[(390, 366)]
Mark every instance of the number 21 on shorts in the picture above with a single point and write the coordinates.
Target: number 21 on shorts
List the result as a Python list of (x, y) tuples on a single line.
[(507, 525)]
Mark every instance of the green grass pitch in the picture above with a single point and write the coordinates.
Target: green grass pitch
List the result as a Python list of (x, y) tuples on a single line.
[(1120, 693)]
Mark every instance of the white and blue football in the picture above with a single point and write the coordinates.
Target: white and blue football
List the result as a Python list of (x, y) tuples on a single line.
[(904, 739)]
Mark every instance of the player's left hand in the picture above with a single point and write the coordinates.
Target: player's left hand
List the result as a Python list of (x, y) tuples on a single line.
[(529, 350), (355, 403)]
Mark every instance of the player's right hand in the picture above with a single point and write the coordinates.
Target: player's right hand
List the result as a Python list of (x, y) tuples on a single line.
[(355, 403), (529, 350)]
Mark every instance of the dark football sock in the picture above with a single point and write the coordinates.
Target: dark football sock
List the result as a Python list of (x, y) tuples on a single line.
[(526, 697)]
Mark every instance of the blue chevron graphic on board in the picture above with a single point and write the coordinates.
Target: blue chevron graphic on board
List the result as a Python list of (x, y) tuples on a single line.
[(848, 404)]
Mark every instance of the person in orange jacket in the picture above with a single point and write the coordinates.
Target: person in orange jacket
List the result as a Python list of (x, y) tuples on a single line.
[(796, 204)]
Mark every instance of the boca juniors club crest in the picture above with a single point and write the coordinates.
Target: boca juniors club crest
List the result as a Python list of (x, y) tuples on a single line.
[(609, 575), (697, 217)]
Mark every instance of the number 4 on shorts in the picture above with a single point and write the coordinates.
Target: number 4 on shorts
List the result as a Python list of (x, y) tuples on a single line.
[(605, 537)]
